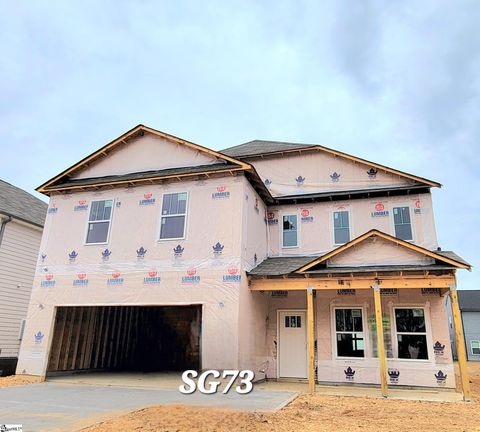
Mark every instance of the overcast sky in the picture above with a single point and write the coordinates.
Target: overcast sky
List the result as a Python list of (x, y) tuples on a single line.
[(396, 82)]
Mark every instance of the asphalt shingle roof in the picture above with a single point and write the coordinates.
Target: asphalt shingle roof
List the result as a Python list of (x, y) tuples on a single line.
[(17, 203), (469, 300), (258, 147), (277, 266)]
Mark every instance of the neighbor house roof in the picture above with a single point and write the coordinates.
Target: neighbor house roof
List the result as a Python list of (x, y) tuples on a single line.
[(469, 300), (19, 204), (258, 148)]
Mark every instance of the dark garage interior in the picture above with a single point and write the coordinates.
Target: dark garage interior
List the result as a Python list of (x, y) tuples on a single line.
[(125, 338)]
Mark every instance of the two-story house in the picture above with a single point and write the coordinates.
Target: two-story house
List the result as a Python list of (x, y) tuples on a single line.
[(295, 261)]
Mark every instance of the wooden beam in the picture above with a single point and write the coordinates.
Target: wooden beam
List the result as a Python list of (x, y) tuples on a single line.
[(350, 283), (311, 341), (382, 358), (460, 343)]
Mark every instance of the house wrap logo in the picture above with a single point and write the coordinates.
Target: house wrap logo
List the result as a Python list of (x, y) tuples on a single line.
[(53, 208), (106, 254), (372, 173), (221, 193), (349, 374), (116, 279), (147, 200), (81, 280), (438, 348), (49, 281), (267, 183), (271, 219), (82, 205), (152, 277), (305, 216), (178, 251), (72, 256), (11, 428), (300, 180), (394, 375), (38, 337), (418, 207), (191, 277), (335, 177), (379, 210), (217, 249), (232, 275), (141, 251), (441, 378)]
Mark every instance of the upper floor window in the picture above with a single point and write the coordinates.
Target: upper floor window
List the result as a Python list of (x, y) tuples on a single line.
[(174, 215), (475, 346), (349, 333), (403, 225), (290, 231), (341, 227), (99, 221), (411, 333)]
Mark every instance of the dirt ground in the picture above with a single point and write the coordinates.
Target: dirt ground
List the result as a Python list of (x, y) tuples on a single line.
[(16, 380), (312, 413)]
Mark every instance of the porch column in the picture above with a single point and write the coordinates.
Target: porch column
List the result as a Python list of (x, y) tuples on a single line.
[(380, 340), (311, 341), (460, 342)]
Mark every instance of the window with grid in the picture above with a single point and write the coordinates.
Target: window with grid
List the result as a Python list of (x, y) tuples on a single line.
[(290, 231), (341, 227), (99, 221), (174, 214), (475, 346), (402, 222), (349, 333), (411, 333)]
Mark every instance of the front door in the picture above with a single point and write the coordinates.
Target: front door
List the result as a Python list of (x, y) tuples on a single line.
[(292, 344)]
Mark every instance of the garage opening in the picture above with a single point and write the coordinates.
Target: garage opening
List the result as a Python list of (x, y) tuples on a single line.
[(126, 338)]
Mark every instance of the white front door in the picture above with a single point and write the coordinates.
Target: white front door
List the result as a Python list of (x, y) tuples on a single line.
[(292, 344)]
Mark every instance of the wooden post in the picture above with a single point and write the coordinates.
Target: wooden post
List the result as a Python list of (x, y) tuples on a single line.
[(460, 343), (380, 341), (311, 341)]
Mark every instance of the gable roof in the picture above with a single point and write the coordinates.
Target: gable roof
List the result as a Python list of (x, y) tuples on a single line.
[(257, 148), (19, 204), (138, 130), (469, 300), (375, 233)]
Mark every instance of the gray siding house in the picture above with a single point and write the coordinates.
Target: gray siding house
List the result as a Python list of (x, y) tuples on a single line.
[(469, 301), (21, 224)]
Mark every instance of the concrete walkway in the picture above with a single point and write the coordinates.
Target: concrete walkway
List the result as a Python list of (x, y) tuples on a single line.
[(56, 406)]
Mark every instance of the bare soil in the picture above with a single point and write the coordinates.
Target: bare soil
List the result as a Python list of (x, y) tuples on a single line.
[(312, 413), (16, 380)]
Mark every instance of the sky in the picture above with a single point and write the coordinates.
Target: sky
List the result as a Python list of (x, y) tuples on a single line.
[(396, 82)]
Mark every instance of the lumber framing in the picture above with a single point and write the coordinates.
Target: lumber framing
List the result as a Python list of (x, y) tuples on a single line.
[(311, 340), (382, 357)]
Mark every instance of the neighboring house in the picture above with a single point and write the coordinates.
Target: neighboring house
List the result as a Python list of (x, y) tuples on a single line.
[(292, 260), (469, 302), (21, 222)]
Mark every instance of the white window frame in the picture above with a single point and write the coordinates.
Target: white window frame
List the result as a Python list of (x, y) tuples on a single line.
[(334, 332), (349, 226), (428, 332), (187, 210), (471, 346), (394, 232), (281, 230), (105, 220)]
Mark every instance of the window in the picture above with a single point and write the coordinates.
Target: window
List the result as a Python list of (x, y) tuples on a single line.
[(290, 231), (99, 221), (475, 346), (411, 334), (174, 212), (293, 321), (403, 225), (341, 227), (349, 333)]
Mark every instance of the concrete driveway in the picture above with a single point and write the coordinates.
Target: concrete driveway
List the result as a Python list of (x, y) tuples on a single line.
[(56, 406)]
